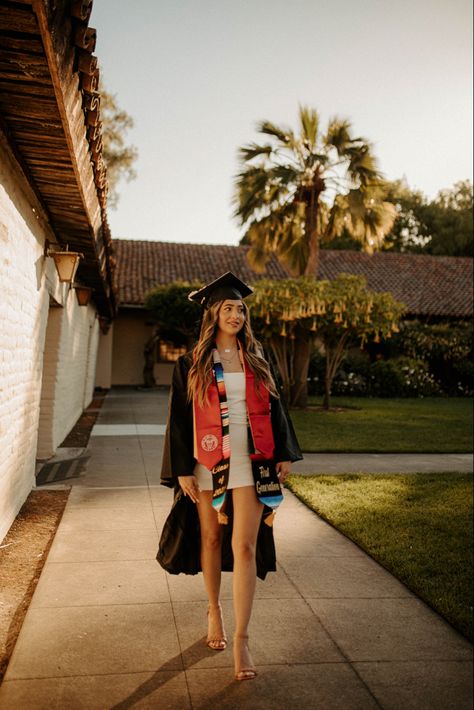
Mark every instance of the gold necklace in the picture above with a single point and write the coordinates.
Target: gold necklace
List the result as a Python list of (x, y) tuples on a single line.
[(228, 359)]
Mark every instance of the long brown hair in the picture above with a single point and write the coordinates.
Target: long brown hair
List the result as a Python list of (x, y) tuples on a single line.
[(200, 374)]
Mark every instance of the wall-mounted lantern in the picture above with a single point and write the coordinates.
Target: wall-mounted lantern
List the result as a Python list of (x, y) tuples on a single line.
[(83, 294), (66, 263), (104, 324)]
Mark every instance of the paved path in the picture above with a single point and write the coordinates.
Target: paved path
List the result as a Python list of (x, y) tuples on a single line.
[(107, 628)]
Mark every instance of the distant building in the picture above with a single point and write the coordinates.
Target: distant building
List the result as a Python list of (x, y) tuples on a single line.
[(433, 288), (52, 197)]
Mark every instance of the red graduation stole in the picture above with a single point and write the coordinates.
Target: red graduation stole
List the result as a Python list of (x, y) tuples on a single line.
[(211, 432)]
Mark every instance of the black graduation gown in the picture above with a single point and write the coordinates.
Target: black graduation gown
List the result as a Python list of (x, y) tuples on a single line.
[(179, 544)]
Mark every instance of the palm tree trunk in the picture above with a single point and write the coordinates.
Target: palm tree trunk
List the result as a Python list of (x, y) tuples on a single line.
[(312, 266), (311, 227)]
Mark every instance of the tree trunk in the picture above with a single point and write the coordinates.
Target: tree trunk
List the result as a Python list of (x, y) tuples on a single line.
[(333, 360), (327, 391), (299, 388), (149, 355), (312, 265), (279, 350), (311, 228)]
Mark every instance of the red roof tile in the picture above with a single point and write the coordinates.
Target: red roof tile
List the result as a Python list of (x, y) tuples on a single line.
[(428, 285)]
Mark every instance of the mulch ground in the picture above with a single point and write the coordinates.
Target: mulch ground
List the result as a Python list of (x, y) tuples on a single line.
[(25, 548)]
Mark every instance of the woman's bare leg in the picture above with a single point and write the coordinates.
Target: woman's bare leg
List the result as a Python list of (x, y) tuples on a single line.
[(247, 516), (211, 541)]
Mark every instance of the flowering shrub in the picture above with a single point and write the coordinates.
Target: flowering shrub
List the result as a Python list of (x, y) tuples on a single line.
[(349, 383), (402, 377), (397, 377), (446, 347)]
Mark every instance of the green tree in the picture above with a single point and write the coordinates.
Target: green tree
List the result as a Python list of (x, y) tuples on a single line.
[(336, 313), (118, 156), (174, 313), (449, 221), (443, 226), (410, 232)]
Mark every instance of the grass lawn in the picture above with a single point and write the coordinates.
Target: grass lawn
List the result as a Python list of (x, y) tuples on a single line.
[(418, 526), (373, 425)]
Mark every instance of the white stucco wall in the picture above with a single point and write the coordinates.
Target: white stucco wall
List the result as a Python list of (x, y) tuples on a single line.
[(103, 375), (28, 282), (92, 353), (69, 372), (131, 331)]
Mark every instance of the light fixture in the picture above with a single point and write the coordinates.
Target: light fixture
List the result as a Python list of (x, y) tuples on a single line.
[(104, 324), (66, 263), (83, 294)]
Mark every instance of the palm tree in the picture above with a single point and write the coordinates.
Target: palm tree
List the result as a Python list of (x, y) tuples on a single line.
[(298, 191), (295, 192)]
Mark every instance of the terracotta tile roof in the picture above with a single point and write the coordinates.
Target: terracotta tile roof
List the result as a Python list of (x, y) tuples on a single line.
[(429, 285)]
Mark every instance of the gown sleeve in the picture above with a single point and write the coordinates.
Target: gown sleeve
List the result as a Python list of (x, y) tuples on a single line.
[(286, 443), (178, 458), (287, 447)]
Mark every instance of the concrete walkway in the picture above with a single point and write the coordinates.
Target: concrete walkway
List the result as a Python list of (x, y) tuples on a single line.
[(108, 628)]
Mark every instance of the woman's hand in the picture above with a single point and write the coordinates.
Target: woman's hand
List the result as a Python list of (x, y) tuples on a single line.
[(190, 487), (283, 469)]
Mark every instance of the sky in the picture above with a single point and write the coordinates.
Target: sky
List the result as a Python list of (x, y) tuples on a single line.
[(198, 75)]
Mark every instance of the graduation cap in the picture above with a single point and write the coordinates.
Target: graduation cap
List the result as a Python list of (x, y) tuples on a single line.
[(226, 286)]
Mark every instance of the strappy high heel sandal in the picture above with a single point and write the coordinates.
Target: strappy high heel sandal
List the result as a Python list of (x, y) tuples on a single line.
[(218, 643), (248, 672)]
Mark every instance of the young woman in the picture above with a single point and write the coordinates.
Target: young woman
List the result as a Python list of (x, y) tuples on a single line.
[(226, 422)]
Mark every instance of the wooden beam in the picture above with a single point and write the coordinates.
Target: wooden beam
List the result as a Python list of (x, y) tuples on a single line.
[(14, 19), (60, 58), (28, 184)]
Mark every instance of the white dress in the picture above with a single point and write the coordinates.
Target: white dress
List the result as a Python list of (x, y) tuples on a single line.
[(240, 468)]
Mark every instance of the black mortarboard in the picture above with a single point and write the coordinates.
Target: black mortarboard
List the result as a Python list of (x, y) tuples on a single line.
[(226, 286)]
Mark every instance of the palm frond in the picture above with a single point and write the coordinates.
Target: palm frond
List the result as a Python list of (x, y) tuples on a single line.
[(362, 164), (272, 234), (321, 158), (249, 195), (287, 174), (338, 134), (262, 188), (285, 135), (369, 220), (337, 218), (251, 151), (258, 255), (293, 247), (309, 119)]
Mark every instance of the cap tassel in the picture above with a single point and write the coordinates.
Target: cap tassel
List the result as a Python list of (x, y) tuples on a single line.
[(268, 519)]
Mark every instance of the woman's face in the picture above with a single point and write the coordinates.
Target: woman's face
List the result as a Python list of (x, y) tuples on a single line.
[(231, 317)]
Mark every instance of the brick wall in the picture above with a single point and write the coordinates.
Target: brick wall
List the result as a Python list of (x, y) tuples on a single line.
[(91, 367), (64, 336), (23, 312)]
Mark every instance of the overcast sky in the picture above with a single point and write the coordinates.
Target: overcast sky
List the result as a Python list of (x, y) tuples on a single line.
[(197, 75)]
